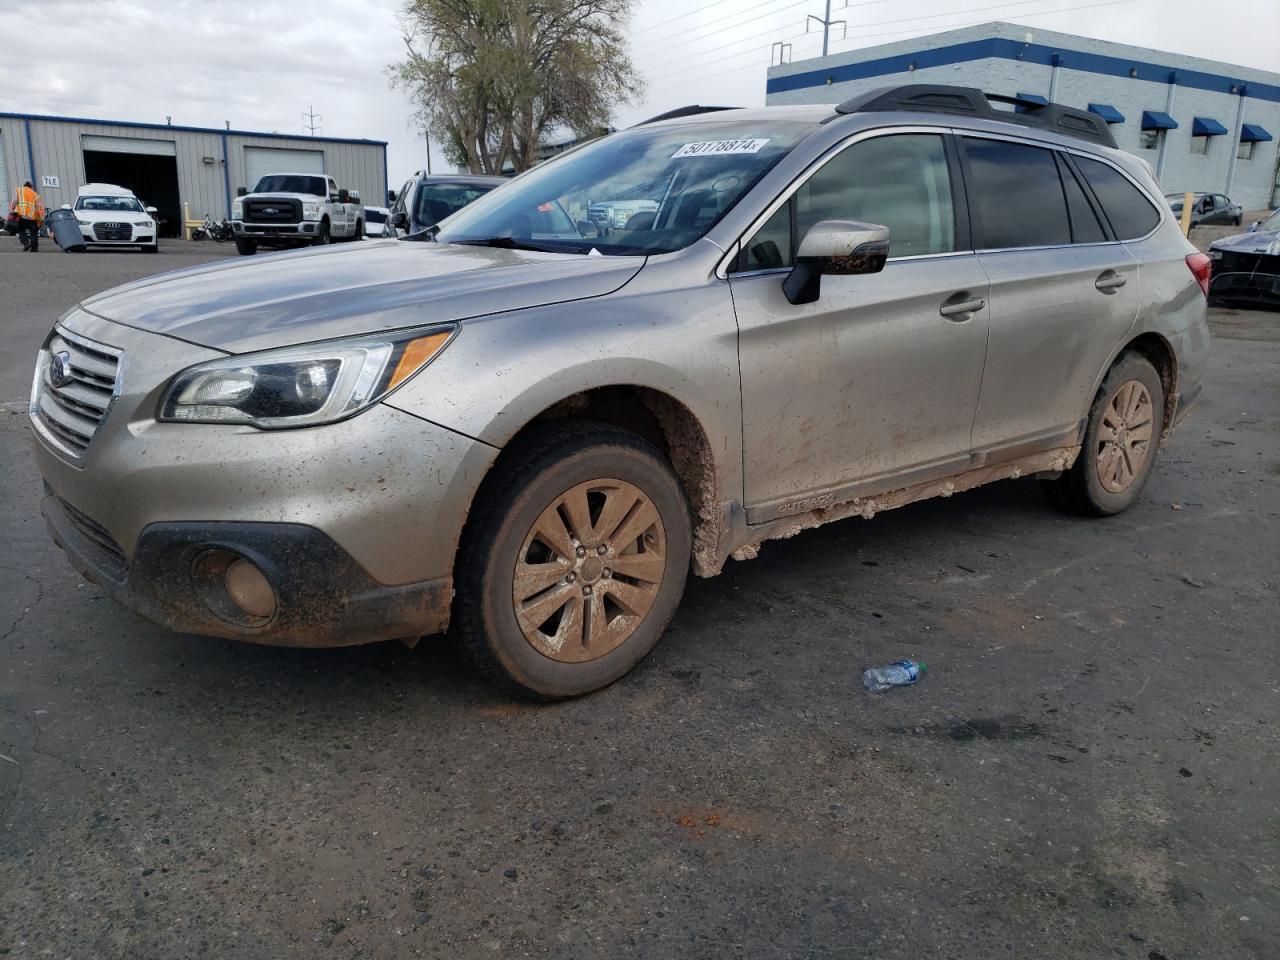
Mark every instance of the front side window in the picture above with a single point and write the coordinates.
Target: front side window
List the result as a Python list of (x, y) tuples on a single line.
[(684, 178), (1015, 195), (435, 201), (1130, 212), (899, 181)]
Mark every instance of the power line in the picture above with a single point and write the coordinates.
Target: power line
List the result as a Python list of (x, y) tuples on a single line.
[(309, 120), (890, 33)]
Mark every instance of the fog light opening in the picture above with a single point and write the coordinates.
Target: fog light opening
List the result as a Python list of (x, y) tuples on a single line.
[(249, 589)]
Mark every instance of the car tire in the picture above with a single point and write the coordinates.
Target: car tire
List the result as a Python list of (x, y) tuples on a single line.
[(151, 248), (246, 248), (324, 237), (1121, 441), (610, 589), (1237, 221)]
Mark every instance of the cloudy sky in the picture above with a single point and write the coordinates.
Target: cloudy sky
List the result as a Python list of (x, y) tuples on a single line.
[(262, 63)]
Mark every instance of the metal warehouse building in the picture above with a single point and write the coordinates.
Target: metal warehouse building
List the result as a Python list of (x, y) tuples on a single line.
[(1202, 125), (168, 165)]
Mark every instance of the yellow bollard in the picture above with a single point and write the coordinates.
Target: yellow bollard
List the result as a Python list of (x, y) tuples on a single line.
[(1187, 200)]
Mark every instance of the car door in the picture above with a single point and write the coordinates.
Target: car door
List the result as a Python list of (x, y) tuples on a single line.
[(403, 203), (876, 383), (338, 215), (1209, 210), (1062, 294)]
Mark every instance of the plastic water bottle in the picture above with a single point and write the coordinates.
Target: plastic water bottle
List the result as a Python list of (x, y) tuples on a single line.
[(900, 673)]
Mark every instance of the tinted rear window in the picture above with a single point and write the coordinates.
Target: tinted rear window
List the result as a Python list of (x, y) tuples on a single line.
[(1130, 212), (1016, 194), (1085, 227)]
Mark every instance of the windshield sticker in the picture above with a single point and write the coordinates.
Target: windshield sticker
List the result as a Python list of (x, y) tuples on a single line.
[(719, 148)]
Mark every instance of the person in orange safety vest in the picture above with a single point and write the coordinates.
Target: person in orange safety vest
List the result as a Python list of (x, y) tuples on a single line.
[(30, 210)]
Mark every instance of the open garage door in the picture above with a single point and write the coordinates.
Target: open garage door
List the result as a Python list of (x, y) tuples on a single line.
[(263, 161), (147, 167)]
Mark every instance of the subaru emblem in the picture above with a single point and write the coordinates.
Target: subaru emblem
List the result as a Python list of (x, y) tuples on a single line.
[(60, 369)]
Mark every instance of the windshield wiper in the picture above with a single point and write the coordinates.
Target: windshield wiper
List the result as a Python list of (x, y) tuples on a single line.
[(509, 243)]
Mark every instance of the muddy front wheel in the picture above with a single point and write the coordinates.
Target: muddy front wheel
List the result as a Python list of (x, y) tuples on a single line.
[(573, 562)]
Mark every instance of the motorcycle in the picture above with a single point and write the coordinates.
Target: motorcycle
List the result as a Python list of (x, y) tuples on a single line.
[(217, 230)]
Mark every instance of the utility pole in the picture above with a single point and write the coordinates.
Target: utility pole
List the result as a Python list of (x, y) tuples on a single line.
[(310, 117), (827, 24)]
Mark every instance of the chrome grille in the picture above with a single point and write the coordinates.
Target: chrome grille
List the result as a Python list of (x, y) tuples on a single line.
[(76, 382)]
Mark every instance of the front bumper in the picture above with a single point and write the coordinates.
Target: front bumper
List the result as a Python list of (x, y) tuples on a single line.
[(323, 598), (1263, 288), (384, 495), (306, 230)]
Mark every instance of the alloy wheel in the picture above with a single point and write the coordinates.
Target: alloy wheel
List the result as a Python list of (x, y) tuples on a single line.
[(589, 570), (1124, 436)]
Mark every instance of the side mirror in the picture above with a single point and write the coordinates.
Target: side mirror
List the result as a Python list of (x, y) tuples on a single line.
[(391, 197), (1254, 226), (241, 192), (400, 220), (344, 196), (839, 248), (152, 210), (587, 229)]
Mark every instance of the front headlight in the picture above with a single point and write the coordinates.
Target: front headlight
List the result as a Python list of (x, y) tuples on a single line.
[(237, 209), (84, 223), (300, 386), (146, 224), (310, 211)]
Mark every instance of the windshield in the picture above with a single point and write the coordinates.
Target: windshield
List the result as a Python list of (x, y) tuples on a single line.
[(291, 183), (646, 190), (113, 204), (1271, 223), (435, 201)]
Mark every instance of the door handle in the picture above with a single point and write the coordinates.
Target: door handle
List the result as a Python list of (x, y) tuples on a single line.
[(1109, 281), (961, 309)]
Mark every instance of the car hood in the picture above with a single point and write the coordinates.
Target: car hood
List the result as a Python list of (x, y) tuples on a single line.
[(308, 197), (277, 300), (1264, 242), (111, 216)]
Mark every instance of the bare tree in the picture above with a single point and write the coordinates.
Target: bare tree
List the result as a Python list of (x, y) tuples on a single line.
[(496, 75)]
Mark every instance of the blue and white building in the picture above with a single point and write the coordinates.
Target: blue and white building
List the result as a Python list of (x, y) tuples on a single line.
[(1202, 125)]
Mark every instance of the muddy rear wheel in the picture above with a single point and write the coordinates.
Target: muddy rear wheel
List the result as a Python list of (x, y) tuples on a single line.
[(573, 561), (1121, 440)]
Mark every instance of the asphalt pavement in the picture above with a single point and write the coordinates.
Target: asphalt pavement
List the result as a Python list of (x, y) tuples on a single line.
[(1089, 769)]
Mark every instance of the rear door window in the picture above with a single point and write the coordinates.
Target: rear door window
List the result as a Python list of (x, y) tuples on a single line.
[(1130, 212), (1085, 227), (1015, 195)]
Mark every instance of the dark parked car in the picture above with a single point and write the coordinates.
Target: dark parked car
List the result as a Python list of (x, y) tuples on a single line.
[(425, 200), (1210, 208), (1246, 267)]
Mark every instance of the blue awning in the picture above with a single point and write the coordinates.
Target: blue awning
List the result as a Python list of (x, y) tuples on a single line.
[(1155, 120), (1034, 98), (1252, 133), (1206, 127), (1107, 112)]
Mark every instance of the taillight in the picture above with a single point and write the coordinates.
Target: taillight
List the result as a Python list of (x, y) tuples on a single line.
[(1200, 266)]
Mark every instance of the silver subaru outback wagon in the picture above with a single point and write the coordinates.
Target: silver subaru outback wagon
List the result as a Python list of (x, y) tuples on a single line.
[(527, 426)]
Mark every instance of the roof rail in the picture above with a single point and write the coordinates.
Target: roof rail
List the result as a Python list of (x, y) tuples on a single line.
[(972, 102), (689, 111)]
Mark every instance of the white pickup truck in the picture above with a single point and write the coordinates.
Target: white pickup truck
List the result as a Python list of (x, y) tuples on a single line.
[(295, 209)]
